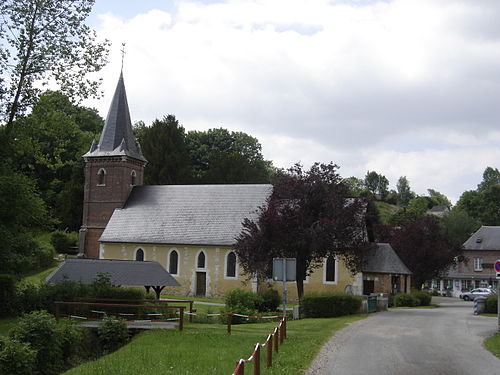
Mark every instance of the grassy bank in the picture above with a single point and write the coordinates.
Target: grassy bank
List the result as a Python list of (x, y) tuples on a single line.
[(492, 343), (207, 349)]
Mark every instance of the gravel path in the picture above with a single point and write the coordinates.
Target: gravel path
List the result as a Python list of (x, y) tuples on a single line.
[(443, 341)]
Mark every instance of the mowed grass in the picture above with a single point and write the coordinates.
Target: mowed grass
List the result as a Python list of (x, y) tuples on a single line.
[(492, 343), (208, 349)]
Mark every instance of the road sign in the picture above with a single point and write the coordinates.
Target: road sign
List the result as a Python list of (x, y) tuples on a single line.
[(497, 268), (288, 269)]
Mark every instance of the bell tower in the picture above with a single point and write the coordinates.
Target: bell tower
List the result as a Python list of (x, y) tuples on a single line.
[(112, 168)]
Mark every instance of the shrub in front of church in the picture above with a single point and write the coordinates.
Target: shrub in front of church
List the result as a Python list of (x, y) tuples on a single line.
[(329, 305), (492, 304), (408, 300), (424, 298), (113, 334), (267, 301), (240, 301)]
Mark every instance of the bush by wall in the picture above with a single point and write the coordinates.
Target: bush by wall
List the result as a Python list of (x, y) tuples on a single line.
[(424, 298), (113, 334), (492, 304), (267, 301), (402, 299), (63, 241), (240, 302), (16, 358), (327, 305)]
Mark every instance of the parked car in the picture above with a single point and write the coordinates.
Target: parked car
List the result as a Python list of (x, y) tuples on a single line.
[(483, 292)]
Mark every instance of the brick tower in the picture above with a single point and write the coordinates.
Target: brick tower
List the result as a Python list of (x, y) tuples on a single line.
[(112, 168)]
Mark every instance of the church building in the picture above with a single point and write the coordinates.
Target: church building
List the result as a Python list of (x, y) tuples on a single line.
[(188, 229)]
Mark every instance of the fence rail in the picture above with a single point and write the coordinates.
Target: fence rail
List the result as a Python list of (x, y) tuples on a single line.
[(274, 340)]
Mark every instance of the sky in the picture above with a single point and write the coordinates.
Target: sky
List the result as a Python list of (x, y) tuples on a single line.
[(401, 87)]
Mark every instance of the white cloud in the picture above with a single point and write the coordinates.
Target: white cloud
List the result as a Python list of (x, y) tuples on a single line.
[(404, 87)]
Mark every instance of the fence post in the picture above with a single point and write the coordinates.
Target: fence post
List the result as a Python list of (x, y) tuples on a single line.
[(57, 311), (181, 316), (284, 327), (240, 366), (256, 361), (269, 349), (190, 311), (281, 333), (276, 340), (229, 319)]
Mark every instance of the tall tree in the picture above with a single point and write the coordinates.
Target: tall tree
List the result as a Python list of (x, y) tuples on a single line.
[(404, 194), (377, 184), (44, 41), (356, 186), (491, 177), (439, 199), (164, 147), (423, 245), (459, 226), (308, 217), (214, 149)]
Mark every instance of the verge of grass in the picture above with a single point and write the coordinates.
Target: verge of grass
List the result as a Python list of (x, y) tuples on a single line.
[(431, 306), (196, 299), (208, 349), (6, 324), (39, 277), (492, 343)]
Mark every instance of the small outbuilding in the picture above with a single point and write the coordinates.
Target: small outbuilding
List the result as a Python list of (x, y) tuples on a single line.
[(120, 272), (384, 272)]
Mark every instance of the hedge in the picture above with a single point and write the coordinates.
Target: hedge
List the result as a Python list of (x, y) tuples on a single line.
[(492, 304), (328, 305)]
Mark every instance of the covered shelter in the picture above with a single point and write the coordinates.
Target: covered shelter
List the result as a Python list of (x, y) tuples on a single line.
[(120, 272)]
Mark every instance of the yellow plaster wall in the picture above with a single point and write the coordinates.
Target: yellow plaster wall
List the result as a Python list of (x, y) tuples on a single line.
[(217, 283)]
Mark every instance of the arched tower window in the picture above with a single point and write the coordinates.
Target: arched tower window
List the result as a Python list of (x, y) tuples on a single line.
[(173, 262), (139, 255), (133, 178), (201, 260), (330, 269), (101, 177), (231, 264)]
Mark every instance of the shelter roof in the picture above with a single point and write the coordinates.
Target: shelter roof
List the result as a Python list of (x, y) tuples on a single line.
[(120, 272), (186, 214), (381, 258), (485, 238)]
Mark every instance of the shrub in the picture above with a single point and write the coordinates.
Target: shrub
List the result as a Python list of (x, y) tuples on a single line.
[(492, 304), (402, 299), (113, 334), (327, 305), (424, 298), (267, 301), (63, 241), (39, 329), (7, 294), (16, 358), (240, 302)]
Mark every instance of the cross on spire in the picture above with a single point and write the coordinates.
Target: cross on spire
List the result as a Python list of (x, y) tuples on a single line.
[(123, 53)]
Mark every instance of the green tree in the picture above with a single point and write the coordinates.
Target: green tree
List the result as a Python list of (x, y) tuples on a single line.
[(438, 198), (356, 186), (164, 147), (459, 226), (50, 142), (45, 41), (213, 150), (377, 184), (404, 194), (309, 216), (491, 177)]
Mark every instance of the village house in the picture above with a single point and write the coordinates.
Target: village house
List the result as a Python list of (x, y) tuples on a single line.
[(190, 229)]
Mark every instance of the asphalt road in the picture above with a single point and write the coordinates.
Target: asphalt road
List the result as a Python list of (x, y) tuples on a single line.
[(442, 341)]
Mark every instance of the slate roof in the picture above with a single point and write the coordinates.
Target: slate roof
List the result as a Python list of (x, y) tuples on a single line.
[(486, 238), (121, 272), (185, 214), (381, 258), (117, 138)]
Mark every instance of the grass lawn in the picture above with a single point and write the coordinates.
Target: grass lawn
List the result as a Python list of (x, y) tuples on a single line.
[(39, 277), (492, 343), (208, 349)]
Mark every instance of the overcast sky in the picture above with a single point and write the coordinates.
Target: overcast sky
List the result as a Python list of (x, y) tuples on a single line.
[(405, 87)]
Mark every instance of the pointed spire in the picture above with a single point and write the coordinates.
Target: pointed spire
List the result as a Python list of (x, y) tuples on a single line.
[(117, 137)]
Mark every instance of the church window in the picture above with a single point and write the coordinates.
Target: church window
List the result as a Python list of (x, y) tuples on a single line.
[(173, 262), (201, 260), (330, 269), (139, 255), (101, 177), (133, 177), (231, 264)]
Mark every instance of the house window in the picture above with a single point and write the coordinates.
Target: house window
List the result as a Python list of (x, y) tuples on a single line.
[(478, 264), (231, 264), (133, 177), (101, 177), (139, 255), (201, 260), (173, 262), (330, 271)]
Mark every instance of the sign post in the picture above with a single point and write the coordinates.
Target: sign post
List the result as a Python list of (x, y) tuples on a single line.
[(284, 269), (497, 270)]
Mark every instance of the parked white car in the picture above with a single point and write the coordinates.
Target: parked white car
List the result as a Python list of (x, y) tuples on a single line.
[(483, 292)]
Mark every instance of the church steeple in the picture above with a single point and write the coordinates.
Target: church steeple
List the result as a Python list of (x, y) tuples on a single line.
[(112, 168), (117, 138)]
